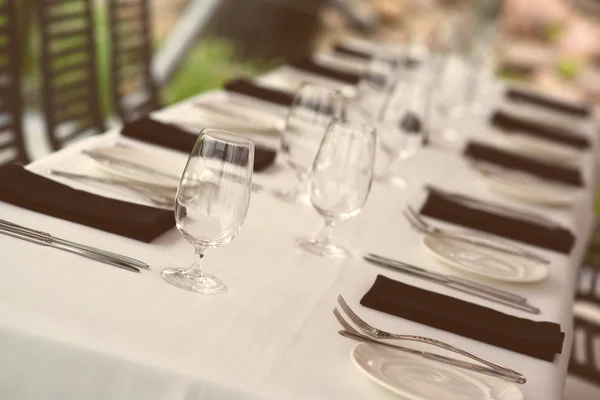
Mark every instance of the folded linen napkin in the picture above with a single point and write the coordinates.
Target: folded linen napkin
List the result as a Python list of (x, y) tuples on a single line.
[(456, 211), (542, 340), (309, 65), (342, 49), (521, 96), (564, 174), (511, 124), (249, 88), (172, 137), (36, 193)]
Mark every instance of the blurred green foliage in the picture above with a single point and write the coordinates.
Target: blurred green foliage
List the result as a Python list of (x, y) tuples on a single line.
[(568, 68), (208, 65)]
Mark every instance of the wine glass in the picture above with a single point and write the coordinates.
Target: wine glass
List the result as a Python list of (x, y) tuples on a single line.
[(340, 181), (211, 202), (313, 107), (402, 126)]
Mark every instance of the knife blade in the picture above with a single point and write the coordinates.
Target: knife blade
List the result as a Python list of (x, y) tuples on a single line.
[(46, 237), (460, 284)]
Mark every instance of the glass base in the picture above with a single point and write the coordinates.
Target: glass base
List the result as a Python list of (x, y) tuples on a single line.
[(323, 249), (195, 281), (292, 196)]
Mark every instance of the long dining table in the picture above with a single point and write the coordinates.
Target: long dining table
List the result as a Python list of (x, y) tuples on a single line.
[(73, 328)]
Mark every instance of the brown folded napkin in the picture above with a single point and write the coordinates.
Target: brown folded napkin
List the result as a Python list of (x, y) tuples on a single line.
[(511, 124), (172, 137), (409, 62), (536, 339), (447, 208), (308, 65), (506, 159), (248, 88), (36, 193), (520, 96)]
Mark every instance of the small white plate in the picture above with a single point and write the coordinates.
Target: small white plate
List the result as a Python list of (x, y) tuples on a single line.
[(530, 189), (484, 262), (151, 160), (416, 378)]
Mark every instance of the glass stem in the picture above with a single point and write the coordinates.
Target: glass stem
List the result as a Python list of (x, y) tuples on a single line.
[(196, 267), (324, 235)]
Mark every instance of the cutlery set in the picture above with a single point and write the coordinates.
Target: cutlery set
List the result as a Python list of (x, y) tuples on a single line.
[(370, 334), (46, 239)]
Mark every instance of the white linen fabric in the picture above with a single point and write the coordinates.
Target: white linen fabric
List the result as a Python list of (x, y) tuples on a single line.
[(72, 328)]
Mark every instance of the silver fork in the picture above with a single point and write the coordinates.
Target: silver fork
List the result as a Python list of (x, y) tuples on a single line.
[(422, 226), (150, 196), (380, 334), (352, 333)]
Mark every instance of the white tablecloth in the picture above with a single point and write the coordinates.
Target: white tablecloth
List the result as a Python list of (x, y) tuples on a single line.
[(72, 328)]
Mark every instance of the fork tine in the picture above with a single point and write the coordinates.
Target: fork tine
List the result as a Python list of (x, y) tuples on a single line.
[(360, 323), (344, 323)]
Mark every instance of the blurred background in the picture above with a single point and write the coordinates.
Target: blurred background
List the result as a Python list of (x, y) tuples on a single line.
[(199, 44)]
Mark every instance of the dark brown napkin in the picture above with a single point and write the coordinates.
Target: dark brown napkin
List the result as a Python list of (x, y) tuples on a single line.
[(536, 339), (308, 65), (452, 210), (36, 193), (248, 88), (520, 96), (172, 137), (409, 62), (511, 124), (506, 159)]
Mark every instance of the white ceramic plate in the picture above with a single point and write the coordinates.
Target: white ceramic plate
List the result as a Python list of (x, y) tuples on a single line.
[(541, 148), (171, 166), (484, 262), (416, 378), (530, 189)]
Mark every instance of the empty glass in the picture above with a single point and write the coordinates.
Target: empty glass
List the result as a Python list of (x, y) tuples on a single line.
[(340, 181), (402, 127), (306, 122), (211, 203)]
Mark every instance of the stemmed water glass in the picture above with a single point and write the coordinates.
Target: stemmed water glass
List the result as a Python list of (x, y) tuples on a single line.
[(211, 202), (402, 126), (312, 110), (340, 181)]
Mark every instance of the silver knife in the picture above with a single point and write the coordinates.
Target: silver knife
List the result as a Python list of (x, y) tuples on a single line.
[(474, 285), (463, 285), (533, 217), (48, 238), (130, 165), (48, 242)]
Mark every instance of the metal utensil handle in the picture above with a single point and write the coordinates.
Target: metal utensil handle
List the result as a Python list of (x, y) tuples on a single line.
[(502, 372), (531, 216), (49, 238), (449, 278), (48, 242), (521, 306), (517, 253)]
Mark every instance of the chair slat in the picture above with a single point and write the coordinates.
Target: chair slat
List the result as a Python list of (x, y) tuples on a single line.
[(70, 88), (131, 46)]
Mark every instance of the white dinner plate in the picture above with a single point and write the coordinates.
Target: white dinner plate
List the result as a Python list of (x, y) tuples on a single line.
[(530, 189), (541, 148), (416, 378), (171, 167), (484, 262)]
